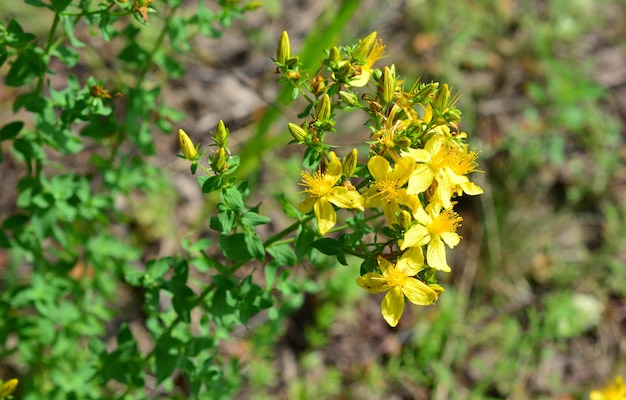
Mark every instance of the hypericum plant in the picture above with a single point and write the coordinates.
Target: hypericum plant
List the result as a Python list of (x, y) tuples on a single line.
[(400, 201)]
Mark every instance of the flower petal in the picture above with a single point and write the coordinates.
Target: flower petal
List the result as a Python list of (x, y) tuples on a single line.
[(450, 238), (419, 155), (344, 198), (373, 282), (333, 171), (325, 214), (384, 264), (402, 170), (379, 168), (421, 179), (393, 306), (416, 236), (418, 292), (411, 262), (436, 255), (307, 204)]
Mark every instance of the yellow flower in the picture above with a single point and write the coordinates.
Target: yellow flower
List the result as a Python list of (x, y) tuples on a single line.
[(616, 391), (374, 50), (398, 279), (322, 193), (387, 192), (7, 387), (447, 165), (434, 229)]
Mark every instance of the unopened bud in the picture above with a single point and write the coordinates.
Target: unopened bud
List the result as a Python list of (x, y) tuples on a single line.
[(298, 133), (334, 55), (437, 288), (425, 92), (364, 47), (349, 98), (404, 220), (186, 145), (386, 86), (253, 5), (221, 135), (348, 164), (7, 388), (219, 160), (323, 108), (283, 50), (442, 98)]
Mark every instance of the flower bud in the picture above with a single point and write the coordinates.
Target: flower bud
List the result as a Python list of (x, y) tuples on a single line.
[(283, 50), (364, 47), (349, 98), (442, 98), (253, 5), (348, 164), (386, 86), (298, 133), (186, 145), (221, 134), (219, 161), (425, 91), (334, 55), (323, 108), (7, 388), (404, 220)]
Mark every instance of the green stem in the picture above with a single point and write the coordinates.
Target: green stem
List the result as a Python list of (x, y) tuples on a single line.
[(47, 50)]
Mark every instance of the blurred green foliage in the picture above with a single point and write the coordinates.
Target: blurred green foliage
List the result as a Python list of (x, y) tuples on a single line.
[(551, 229)]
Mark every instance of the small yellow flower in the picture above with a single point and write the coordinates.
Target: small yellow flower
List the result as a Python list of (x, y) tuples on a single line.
[(322, 194), (435, 228), (7, 387), (374, 50), (615, 391), (398, 279), (447, 165), (387, 191)]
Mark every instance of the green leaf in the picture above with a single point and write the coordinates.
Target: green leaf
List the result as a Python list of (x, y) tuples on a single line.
[(155, 269), (233, 164), (283, 254), (234, 247), (183, 302), (288, 208), (254, 244), (196, 345), (11, 130), (36, 3), (250, 218), (68, 24), (16, 37), (232, 198), (165, 360), (303, 242), (67, 55), (327, 246), (31, 102), (212, 184), (3, 54), (28, 66), (59, 5)]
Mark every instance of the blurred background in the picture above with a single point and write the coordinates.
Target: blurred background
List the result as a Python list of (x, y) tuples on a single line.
[(536, 305)]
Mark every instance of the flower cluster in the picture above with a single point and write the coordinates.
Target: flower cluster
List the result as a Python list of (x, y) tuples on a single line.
[(417, 165)]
